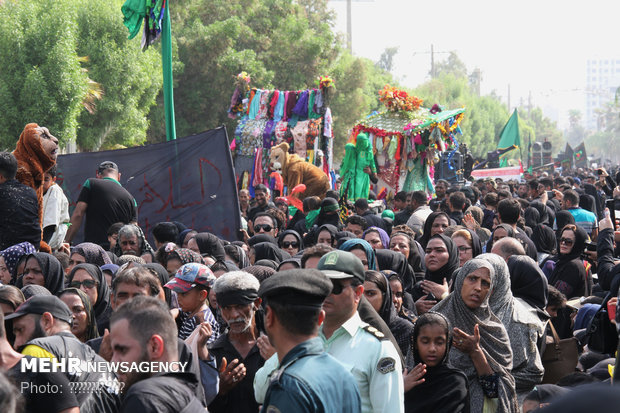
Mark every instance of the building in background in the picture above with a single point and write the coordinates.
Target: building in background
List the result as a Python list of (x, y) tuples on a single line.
[(602, 80)]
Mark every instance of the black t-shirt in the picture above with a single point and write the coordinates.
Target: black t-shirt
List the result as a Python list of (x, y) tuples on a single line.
[(43, 392), (163, 393), (108, 203), (19, 215)]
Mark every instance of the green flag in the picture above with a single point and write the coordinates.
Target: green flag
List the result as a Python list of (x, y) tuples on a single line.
[(509, 136)]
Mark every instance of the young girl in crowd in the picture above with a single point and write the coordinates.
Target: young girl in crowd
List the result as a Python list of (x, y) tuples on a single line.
[(431, 386)]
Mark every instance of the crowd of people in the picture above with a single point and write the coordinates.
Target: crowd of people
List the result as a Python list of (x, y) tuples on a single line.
[(447, 304)]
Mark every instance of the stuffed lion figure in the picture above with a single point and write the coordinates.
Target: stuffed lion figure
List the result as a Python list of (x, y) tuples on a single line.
[(297, 171)]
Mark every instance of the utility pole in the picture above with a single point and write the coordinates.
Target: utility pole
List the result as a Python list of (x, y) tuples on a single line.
[(509, 97), (349, 28), (529, 103), (432, 62), (349, 21)]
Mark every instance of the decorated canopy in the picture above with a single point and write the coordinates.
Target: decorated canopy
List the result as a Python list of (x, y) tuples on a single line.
[(406, 139)]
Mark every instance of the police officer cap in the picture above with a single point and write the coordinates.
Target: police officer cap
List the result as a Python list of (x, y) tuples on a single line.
[(341, 264), (298, 287)]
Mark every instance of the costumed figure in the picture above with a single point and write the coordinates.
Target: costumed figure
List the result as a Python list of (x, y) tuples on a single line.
[(297, 171), (36, 152), (357, 167)]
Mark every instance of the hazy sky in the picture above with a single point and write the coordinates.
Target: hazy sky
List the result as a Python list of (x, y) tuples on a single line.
[(539, 46)]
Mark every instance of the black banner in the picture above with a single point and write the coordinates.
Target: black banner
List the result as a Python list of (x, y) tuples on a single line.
[(190, 180)]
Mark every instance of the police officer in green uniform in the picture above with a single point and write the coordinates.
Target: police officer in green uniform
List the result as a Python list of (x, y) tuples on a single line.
[(365, 352), (308, 379)]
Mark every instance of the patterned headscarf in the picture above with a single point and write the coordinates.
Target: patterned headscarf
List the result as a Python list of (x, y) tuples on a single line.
[(146, 247), (494, 340), (93, 253), (13, 254), (171, 251)]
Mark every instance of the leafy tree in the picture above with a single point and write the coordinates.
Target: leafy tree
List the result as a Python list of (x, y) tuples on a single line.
[(544, 129), (576, 132), (68, 65), (386, 60), (41, 79), (452, 65), (281, 44), (606, 142), (130, 78)]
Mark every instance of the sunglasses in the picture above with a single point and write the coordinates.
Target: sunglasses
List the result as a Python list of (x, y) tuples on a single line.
[(566, 241), (265, 227), (86, 283), (338, 288), (290, 244)]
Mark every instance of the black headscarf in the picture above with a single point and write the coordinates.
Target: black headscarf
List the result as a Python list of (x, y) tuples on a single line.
[(293, 233), (476, 244), (580, 243), (450, 267), (563, 218), (527, 281), (209, 244), (532, 217), (599, 397), (591, 190), (269, 251), (544, 238), (102, 307), (53, 273), (329, 228), (588, 203), (258, 238), (267, 263), (416, 255), (326, 215), (444, 389), (569, 274), (162, 275), (294, 260), (505, 227), (401, 329), (343, 236), (182, 235), (428, 224), (542, 212), (91, 329), (237, 251), (395, 261)]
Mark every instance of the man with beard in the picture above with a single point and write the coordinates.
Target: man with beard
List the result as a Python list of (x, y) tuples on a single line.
[(42, 328), (236, 353), (261, 196), (440, 194), (308, 379), (142, 330), (28, 381)]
